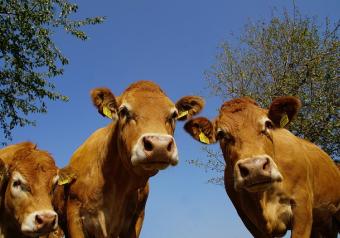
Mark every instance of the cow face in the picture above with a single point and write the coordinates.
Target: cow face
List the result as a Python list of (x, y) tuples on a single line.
[(245, 133), (145, 122), (27, 187)]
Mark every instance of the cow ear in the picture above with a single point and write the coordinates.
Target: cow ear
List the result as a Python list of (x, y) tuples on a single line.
[(189, 106), (66, 176), (283, 110), (105, 102), (201, 129), (3, 173)]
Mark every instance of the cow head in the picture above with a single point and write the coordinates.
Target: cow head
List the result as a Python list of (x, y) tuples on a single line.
[(145, 120), (27, 185), (245, 133)]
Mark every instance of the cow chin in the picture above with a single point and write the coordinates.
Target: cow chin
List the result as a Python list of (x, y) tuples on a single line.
[(148, 164), (256, 185), (154, 166), (259, 187)]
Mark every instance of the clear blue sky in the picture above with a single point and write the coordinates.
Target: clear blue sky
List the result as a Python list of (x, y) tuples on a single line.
[(172, 43)]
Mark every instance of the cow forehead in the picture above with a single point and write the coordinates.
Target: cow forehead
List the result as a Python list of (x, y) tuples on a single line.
[(236, 117), (238, 104), (144, 86), (36, 164), (145, 101)]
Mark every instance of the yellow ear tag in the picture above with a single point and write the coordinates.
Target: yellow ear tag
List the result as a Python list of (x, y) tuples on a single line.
[(107, 112), (203, 138), (284, 120), (67, 179), (182, 114)]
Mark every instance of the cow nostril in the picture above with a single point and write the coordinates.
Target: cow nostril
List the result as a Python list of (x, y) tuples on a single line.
[(243, 170), (266, 165), (169, 148), (147, 144), (39, 220)]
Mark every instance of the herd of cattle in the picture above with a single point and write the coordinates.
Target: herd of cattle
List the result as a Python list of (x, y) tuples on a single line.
[(275, 180)]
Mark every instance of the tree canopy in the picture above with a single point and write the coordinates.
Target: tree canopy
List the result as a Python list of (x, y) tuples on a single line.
[(29, 57), (289, 55)]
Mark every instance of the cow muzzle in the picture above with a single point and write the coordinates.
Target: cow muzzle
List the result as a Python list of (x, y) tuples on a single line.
[(40, 223), (155, 151), (256, 174)]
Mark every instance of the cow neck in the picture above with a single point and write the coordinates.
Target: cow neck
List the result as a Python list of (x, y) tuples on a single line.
[(114, 165), (9, 227)]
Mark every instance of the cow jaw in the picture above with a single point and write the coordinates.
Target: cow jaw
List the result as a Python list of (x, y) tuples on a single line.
[(154, 152), (39, 223), (256, 174)]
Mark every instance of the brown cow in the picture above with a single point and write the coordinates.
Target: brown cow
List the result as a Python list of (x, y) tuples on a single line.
[(275, 180), (114, 164), (28, 177)]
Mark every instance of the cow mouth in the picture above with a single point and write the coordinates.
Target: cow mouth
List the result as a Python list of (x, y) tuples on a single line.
[(154, 165), (258, 185), (38, 233), (156, 162)]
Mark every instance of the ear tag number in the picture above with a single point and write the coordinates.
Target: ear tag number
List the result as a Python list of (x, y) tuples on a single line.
[(182, 114), (284, 120), (107, 112), (203, 138)]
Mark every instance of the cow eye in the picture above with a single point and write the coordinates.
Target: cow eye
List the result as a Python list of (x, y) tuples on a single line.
[(124, 112), (222, 135), (18, 184), (174, 115), (268, 125)]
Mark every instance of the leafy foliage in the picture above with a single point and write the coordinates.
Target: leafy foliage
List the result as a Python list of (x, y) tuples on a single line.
[(289, 55), (29, 57)]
